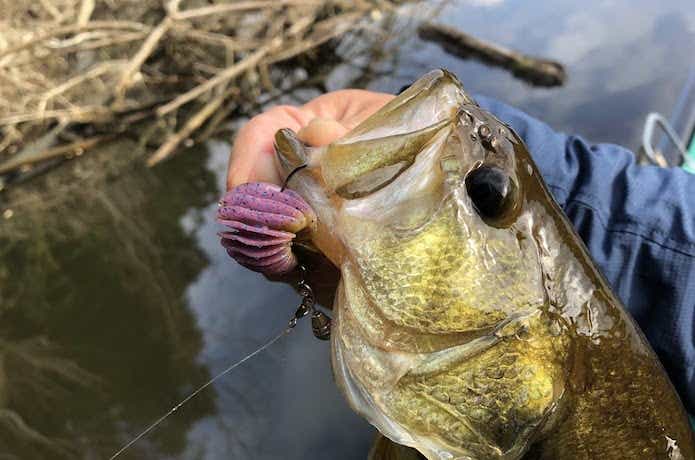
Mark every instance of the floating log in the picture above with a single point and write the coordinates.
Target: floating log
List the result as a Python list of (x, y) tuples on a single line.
[(534, 70)]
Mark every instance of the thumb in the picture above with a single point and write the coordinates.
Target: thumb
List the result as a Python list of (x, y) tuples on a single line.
[(321, 131)]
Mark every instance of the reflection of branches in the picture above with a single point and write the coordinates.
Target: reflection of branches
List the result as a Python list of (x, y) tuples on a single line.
[(35, 365), (373, 50), (36, 379), (133, 239), (19, 438), (102, 270)]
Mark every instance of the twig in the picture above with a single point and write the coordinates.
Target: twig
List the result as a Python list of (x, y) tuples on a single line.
[(10, 135), (79, 114), (106, 41), (241, 6), (326, 30), (216, 120), (145, 50), (214, 38), (52, 10), (74, 28), (84, 114), (301, 25), (52, 152), (21, 84), (193, 123), (94, 72), (206, 68), (76, 40), (221, 78), (86, 10)]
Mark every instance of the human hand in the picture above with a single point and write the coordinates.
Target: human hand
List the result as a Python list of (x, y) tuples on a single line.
[(319, 122)]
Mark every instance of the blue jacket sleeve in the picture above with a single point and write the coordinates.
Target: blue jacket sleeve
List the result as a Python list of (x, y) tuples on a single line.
[(639, 225)]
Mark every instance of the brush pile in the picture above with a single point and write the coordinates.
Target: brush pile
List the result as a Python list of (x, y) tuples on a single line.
[(74, 73)]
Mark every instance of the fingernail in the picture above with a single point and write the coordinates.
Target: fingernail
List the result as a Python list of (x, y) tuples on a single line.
[(321, 131)]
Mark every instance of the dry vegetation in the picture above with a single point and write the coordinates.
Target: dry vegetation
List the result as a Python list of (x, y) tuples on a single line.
[(74, 73)]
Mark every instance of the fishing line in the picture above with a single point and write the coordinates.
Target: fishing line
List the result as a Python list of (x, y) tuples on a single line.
[(289, 176), (156, 423), (320, 326)]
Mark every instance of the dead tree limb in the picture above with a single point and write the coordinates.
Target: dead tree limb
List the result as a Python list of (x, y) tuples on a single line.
[(534, 70)]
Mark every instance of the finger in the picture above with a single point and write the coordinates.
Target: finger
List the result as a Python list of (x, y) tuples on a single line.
[(321, 131), (253, 155), (252, 158), (350, 107)]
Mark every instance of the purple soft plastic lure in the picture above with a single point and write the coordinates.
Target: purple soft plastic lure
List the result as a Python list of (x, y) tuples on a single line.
[(263, 220)]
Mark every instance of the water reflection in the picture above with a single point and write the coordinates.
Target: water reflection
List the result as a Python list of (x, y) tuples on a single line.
[(95, 337), (624, 58), (280, 404), (116, 299)]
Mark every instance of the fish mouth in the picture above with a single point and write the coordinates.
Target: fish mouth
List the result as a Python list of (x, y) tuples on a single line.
[(359, 168), (383, 145)]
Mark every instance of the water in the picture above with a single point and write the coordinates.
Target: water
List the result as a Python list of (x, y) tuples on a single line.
[(116, 299)]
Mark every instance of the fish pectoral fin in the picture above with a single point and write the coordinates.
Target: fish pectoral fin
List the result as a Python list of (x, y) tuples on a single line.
[(445, 359), (442, 360)]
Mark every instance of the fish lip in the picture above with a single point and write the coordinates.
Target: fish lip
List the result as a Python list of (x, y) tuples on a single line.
[(290, 152), (431, 79)]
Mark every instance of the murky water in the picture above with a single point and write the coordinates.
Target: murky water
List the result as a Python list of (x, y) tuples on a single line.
[(116, 299)]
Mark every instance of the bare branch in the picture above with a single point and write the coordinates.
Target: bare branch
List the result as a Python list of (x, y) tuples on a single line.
[(71, 29), (221, 78), (63, 66), (145, 50), (193, 123), (241, 6), (53, 152), (86, 10)]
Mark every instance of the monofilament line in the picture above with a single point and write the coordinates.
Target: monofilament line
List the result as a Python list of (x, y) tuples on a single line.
[(200, 388)]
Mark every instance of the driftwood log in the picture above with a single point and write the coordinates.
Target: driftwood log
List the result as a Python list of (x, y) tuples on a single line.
[(534, 70)]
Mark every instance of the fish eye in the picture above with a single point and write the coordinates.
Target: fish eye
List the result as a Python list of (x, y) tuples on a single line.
[(492, 192)]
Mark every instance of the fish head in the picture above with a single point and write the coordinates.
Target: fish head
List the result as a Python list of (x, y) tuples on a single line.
[(422, 200)]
